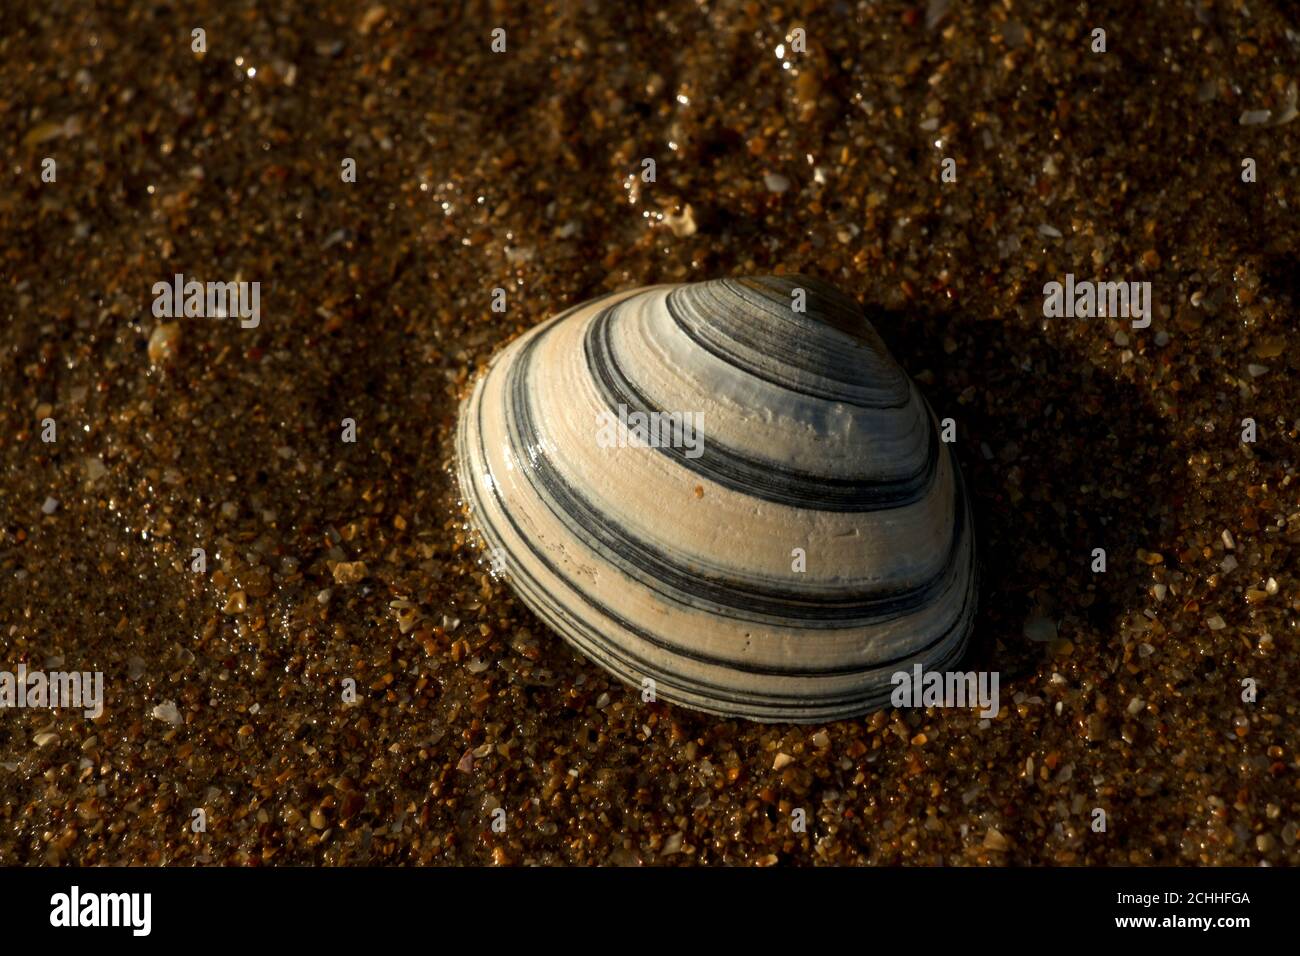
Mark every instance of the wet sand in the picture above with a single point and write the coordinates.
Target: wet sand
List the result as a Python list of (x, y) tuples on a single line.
[(329, 561)]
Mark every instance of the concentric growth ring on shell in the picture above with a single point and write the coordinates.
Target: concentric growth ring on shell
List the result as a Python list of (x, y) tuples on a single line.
[(784, 534)]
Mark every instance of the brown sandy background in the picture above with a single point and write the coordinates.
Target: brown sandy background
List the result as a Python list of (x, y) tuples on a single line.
[(479, 170)]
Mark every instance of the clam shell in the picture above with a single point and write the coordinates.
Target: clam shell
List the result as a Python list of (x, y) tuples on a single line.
[(666, 558)]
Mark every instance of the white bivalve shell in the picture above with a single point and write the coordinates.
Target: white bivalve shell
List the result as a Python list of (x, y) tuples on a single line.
[(728, 488)]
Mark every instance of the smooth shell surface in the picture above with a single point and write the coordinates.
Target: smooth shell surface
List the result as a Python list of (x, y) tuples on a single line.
[(811, 539)]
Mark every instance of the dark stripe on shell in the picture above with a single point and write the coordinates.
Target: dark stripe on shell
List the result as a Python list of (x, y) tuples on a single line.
[(829, 370), (633, 668), (697, 586), (758, 478)]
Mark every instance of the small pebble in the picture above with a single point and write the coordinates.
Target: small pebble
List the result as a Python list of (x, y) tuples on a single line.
[(994, 840), (164, 343), (775, 182), (681, 224), (1040, 629), (167, 712), (350, 572)]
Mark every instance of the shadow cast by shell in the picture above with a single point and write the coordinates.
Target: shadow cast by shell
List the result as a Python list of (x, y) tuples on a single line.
[(1060, 458)]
